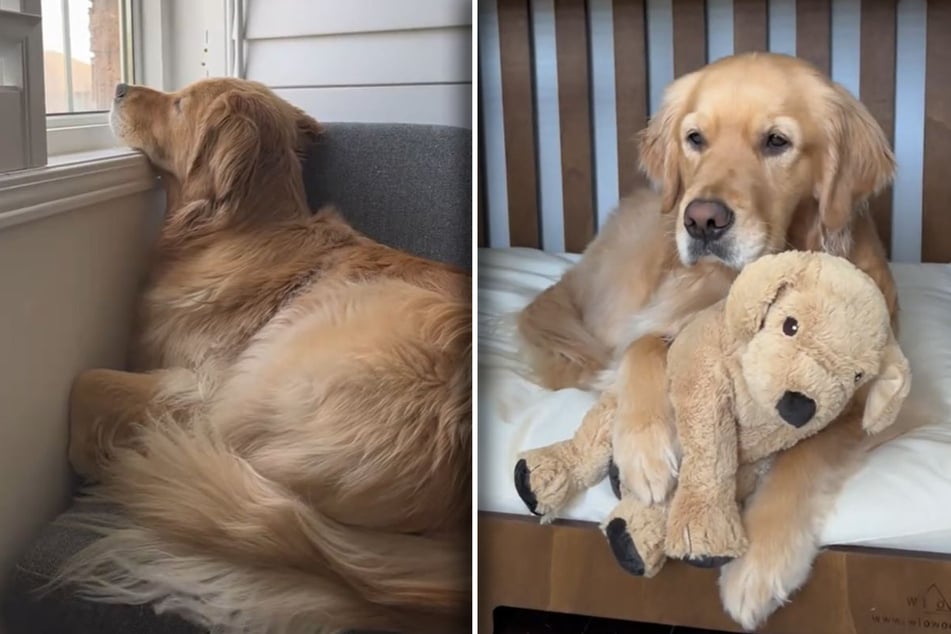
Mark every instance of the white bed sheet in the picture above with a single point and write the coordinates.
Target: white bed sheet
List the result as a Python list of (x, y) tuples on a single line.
[(900, 498)]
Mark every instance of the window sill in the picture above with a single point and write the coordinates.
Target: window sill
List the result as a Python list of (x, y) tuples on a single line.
[(72, 181), (69, 134)]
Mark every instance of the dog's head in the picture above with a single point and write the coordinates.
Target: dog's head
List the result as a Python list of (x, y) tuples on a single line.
[(813, 330), (217, 137), (742, 146)]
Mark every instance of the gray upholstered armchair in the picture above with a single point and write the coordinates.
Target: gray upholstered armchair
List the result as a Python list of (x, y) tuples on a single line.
[(408, 186)]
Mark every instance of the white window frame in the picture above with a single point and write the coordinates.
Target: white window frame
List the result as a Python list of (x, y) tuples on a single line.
[(82, 132), (24, 24)]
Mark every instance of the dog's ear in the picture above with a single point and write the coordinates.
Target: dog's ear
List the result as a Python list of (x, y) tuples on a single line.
[(659, 142), (758, 287), (308, 130), (857, 164), (887, 391), (243, 138)]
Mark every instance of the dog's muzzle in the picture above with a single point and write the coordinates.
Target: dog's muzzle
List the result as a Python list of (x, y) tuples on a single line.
[(796, 409)]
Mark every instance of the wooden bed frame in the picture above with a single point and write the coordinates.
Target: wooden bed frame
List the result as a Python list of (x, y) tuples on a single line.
[(567, 566)]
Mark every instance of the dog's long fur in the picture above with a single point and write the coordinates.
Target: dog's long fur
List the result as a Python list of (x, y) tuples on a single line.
[(642, 277), (298, 453)]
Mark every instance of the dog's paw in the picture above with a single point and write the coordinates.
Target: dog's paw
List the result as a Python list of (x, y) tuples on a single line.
[(753, 586), (543, 481), (646, 456)]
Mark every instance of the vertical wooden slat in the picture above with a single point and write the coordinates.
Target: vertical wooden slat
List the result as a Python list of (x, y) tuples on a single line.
[(630, 78), (814, 32), (518, 114), (750, 24), (574, 111), (936, 185), (877, 89), (690, 35), (482, 210)]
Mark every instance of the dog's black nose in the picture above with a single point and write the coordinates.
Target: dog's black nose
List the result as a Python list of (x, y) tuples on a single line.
[(707, 220), (121, 90), (796, 409)]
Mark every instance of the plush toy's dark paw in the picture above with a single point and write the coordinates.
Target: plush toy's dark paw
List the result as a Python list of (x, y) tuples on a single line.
[(708, 562), (614, 475), (623, 547), (523, 486)]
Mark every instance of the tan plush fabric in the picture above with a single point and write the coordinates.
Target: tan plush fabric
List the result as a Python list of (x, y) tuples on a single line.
[(800, 337)]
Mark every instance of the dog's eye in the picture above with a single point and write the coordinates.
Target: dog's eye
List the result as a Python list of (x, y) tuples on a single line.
[(696, 140), (858, 377), (790, 327), (775, 144), (178, 104)]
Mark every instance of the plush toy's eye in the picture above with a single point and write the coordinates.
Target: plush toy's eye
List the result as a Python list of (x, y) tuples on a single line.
[(858, 377), (790, 326)]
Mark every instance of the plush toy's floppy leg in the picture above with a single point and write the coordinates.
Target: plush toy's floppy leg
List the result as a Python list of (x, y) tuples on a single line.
[(644, 438), (547, 477), (636, 532), (710, 536), (705, 530)]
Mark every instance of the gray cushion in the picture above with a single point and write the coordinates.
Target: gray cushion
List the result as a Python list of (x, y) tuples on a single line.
[(25, 611), (407, 186)]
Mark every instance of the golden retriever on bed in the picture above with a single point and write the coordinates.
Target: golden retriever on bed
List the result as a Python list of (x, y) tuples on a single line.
[(752, 154), (294, 452)]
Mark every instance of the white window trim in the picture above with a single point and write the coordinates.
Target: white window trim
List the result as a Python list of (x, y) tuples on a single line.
[(79, 132), (85, 164), (65, 185), (82, 132)]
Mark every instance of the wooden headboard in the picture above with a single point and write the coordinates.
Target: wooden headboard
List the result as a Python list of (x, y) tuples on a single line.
[(564, 86)]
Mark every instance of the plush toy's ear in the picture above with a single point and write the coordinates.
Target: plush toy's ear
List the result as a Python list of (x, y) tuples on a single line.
[(758, 287), (888, 390), (659, 142)]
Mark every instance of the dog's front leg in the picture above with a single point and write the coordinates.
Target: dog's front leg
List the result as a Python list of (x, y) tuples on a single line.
[(783, 520), (646, 452), (106, 407)]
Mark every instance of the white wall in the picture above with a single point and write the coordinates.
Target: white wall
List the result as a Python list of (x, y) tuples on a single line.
[(406, 61), (68, 283)]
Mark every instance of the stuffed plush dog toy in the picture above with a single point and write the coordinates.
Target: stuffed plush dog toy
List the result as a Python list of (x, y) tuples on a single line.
[(775, 362)]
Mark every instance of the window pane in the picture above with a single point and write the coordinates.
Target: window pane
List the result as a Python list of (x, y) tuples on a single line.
[(11, 65), (82, 47)]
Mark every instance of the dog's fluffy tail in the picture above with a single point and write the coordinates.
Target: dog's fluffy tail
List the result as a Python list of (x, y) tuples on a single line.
[(561, 350), (206, 536)]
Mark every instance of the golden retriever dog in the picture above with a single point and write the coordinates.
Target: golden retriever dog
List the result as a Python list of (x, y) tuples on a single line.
[(292, 453), (752, 154)]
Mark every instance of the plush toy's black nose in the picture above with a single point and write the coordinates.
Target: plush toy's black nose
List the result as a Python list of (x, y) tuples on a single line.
[(796, 409)]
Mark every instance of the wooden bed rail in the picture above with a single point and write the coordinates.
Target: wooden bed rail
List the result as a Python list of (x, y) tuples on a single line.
[(567, 567)]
